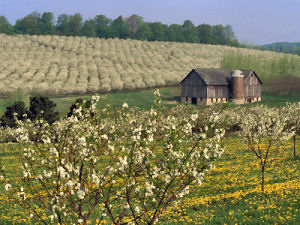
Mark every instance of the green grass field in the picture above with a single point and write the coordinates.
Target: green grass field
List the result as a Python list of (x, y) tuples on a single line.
[(142, 99), (230, 194)]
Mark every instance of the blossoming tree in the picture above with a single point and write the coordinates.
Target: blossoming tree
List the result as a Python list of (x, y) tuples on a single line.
[(125, 165), (263, 128), (292, 113)]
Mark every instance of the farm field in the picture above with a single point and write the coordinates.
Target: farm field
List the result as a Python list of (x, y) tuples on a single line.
[(230, 194), (142, 99), (58, 65)]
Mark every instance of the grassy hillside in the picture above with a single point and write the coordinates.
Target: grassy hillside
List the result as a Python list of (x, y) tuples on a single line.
[(57, 65), (279, 75)]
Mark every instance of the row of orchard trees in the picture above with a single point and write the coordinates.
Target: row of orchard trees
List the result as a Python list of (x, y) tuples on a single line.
[(65, 65), (127, 165), (133, 27)]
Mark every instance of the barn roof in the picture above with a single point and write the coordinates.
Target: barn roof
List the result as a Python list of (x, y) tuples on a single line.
[(217, 76)]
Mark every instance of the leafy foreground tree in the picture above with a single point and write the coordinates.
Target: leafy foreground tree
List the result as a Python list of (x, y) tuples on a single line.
[(125, 170), (263, 128), (80, 104)]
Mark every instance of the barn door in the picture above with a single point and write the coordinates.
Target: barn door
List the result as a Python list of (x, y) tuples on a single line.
[(194, 101)]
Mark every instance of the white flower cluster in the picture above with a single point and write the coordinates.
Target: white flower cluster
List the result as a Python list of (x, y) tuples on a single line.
[(127, 158), (265, 123)]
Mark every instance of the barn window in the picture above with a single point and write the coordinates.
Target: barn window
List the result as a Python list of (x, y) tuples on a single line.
[(194, 101)]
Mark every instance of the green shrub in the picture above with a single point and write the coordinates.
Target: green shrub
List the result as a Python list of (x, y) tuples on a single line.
[(42, 108), (18, 110)]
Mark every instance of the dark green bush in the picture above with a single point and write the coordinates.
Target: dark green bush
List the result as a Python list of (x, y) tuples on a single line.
[(42, 108), (8, 120)]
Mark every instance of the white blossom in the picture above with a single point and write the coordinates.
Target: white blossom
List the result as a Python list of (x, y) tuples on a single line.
[(80, 194), (7, 187), (194, 117)]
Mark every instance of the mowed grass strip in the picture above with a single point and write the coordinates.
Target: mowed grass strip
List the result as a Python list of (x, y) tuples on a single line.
[(230, 194), (141, 98)]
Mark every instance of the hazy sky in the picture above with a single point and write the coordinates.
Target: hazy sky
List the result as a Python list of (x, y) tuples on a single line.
[(255, 21)]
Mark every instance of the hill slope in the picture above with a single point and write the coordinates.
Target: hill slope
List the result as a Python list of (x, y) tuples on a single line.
[(65, 65)]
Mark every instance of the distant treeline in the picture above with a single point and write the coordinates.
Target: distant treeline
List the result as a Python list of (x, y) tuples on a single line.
[(286, 47), (133, 27)]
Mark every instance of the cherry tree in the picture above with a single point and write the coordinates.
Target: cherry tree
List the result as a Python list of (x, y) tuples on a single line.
[(261, 129), (123, 165)]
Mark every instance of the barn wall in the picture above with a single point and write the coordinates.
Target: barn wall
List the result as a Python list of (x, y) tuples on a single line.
[(218, 91), (193, 91), (193, 86), (193, 79), (252, 86)]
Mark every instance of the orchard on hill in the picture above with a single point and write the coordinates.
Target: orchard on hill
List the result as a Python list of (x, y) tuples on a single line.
[(60, 65)]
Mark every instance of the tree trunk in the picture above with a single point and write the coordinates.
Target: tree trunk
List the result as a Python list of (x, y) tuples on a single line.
[(295, 146), (262, 177)]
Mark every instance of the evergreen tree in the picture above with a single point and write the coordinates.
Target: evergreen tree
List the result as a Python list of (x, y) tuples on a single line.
[(42, 108), (8, 119)]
